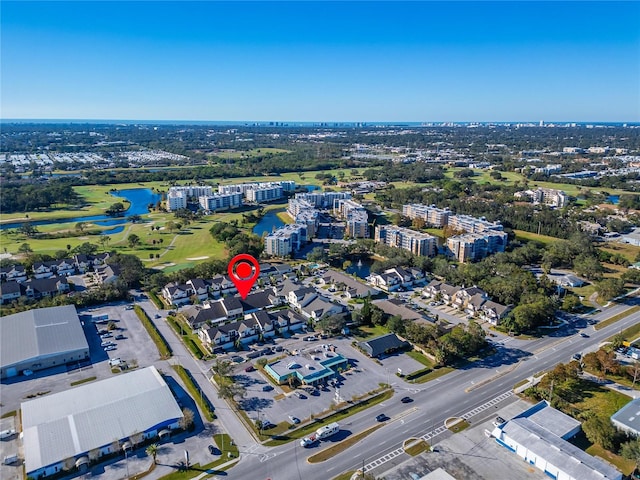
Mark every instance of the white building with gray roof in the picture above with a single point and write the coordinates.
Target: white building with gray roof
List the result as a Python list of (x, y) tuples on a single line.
[(41, 338), (96, 419), (628, 418), (539, 435)]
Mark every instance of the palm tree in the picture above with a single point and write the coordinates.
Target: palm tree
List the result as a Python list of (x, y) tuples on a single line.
[(153, 451)]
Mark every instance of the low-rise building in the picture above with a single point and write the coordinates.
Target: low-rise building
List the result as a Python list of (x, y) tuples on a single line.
[(41, 338), (382, 345), (95, 419), (352, 288), (305, 369), (540, 436), (627, 418)]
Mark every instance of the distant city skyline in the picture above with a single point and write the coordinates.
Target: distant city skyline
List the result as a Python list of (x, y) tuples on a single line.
[(333, 62)]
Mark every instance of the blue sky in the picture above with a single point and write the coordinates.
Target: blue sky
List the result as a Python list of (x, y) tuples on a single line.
[(321, 61)]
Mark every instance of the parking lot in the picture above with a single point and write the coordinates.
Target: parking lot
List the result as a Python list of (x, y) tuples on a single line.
[(470, 454), (10, 446), (278, 405), (136, 348)]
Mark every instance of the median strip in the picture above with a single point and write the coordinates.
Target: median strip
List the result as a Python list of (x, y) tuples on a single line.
[(617, 317), (340, 447)]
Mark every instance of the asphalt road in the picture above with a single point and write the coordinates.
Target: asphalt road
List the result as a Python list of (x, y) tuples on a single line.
[(437, 400)]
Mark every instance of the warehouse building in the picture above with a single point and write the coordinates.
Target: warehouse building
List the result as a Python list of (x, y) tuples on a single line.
[(627, 418), (41, 338), (96, 419), (539, 436)]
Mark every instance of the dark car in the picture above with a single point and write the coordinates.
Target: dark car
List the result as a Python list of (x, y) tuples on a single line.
[(584, 335), (212, 450), (120, 337), (249, 368), (406, 400), (381, 418)]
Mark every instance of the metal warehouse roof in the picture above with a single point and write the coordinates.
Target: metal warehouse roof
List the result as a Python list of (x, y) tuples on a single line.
[(69, 423), (40, 332)]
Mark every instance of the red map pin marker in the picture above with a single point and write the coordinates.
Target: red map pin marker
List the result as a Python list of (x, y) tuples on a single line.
[(243, 271)]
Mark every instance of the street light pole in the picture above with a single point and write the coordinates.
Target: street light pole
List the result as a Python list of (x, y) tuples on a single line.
[(126, 461)]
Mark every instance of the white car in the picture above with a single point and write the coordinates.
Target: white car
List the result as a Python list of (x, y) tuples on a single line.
[(7, 433), (109, 348), (26, 373)]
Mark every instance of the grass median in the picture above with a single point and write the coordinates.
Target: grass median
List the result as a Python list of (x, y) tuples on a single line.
[(196, 392), (339, 447), (334, 417), (617, 317), (163, 347)]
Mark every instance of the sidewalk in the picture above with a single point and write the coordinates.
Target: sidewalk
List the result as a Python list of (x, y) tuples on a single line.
[(633, 393)]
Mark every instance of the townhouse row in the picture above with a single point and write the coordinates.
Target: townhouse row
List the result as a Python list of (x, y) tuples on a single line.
[(472, 300)]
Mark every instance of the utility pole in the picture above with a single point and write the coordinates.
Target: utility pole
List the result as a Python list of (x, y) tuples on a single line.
[(551, 392)]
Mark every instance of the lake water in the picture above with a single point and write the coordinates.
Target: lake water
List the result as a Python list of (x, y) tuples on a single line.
[(615, 199), (269, 222), (139, 198), (360, 268)]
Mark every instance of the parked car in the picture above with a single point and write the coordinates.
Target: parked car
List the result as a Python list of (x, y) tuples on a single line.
[(158, 315), (499, 421), (106, 343), (212, 450), (294, 420), (11, 432), (301, 395), (26, 373), (106, 335), (267, 388), (129, 307), (109, 348), (120, 337), (249, 368)]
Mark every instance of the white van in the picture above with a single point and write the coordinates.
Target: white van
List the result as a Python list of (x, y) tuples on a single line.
[(10, 459)]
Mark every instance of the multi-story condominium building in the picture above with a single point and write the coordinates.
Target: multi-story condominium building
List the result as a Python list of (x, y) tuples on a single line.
[(548, 196), (469, 224), (264, 193), (475, 246), (285, 240), (417, 243), (323, 199), (176, 199), (217, 202), (308, 218), (355, 216), (193, 190), (244, 188), (297, 205), (435, 217)]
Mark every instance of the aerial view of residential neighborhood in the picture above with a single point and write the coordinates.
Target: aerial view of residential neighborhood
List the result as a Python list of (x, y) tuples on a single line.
[(407, 267)]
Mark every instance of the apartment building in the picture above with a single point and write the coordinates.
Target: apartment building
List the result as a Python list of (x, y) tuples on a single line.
[(433, 216), (285, 240), (176, 200), (355, 216), (417, 243), (323, 199), (245, 188), (547, 196), (469, 224), (193, 191), (217, 202), (264, 193), (475, 246)]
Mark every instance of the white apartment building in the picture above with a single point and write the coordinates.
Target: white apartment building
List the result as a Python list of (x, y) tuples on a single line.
[(470, 224), (244, 188), (213, 203), (417, 243), (264, 193), (193, 191), (435, 217), (323, 199), (176, 200), (547, 196), (355, 216), (285, 240)]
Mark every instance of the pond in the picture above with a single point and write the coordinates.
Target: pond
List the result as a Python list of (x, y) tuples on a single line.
[(360, 267), (139, 199), (269, 222)]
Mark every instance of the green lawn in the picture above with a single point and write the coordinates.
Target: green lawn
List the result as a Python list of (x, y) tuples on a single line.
[(543, 239)]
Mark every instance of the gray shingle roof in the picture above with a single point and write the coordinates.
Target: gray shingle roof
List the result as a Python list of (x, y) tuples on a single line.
[(39, 332)]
